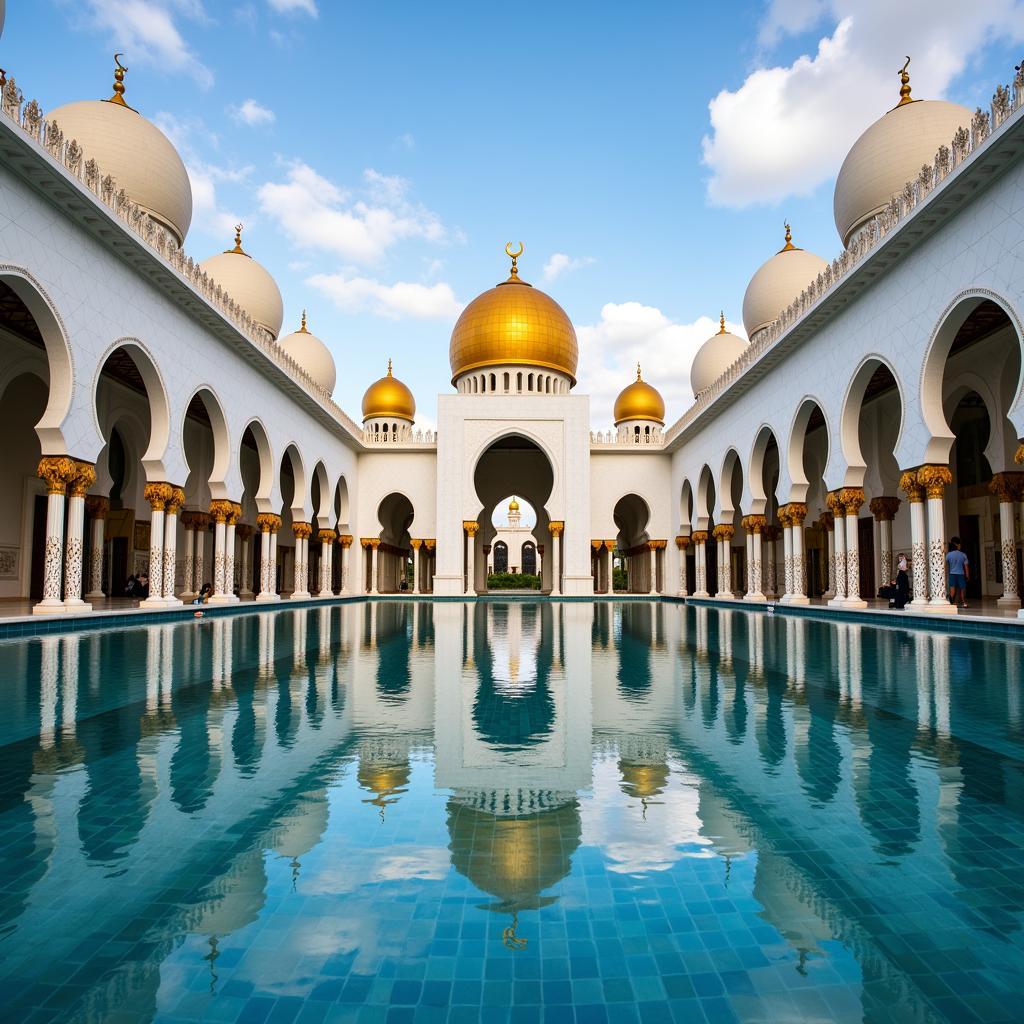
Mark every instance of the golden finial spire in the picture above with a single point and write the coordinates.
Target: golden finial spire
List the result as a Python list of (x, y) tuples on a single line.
[(302, 326), (238, 242), (789, 239), (638, 371), (119, 71), (721, 323), (904, 85), (515, 256), (389, 367)]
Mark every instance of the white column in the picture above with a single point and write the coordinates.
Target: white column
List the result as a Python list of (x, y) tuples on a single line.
[(229, 556), (373, 566), (157, 495), (853, 498), (752, 581), (725, 564), (471, 529), (556, 558), (268, 525), (885, 555), (797, 544), (830, 534), (416, 563), (75, 545), (300, 590), (700, 553), (245, 553), (770, 564), (326, 567), (652, 587), (199, 566), (219, 510), (934, 480), (343, 555), (682, 543), (99, 523), (171, 545), (190, 557), (787, 562), (918, 550), (1005, 489), (838, 551), (272, 568), (754, 568)]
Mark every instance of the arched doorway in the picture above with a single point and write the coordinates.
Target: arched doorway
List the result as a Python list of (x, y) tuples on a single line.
[(512, 528), (632, 567), (516, 462), (394, 560)]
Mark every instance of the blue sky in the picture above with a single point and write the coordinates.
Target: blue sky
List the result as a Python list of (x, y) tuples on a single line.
[(381, 155)]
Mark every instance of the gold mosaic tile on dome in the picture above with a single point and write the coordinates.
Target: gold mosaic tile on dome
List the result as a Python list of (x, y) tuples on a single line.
[(514, 324)]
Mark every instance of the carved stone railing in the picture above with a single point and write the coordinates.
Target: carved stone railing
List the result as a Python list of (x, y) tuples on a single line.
[(612, 438), (968, 139), (404, 435), (89, 175)]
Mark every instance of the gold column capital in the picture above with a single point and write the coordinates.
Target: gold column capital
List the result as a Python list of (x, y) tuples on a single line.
[(58, 471), (374, 543), (302, 530), (795, 513), (682, 542), (470, 526), (268, 522), (596, 545), (884, 507), (176, 501), (1007, 486), (700, 536), (851, 498), (97, 505), (220, 509), (911, 487), (345, 540), (1018, 456), (158, 495), (610, 545), (430, 543), (723, 531), (934, 479), (555, 527), (326, 536)]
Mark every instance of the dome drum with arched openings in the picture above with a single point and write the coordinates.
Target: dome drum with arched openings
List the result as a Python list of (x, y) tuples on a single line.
[(134, 152), (513, 324), (639, 401), (389, 398)]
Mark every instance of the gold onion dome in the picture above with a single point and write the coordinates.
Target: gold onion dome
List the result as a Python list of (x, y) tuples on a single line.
[(390, 398), (249, 283), (513, 505), (134, 152), (890, 153), (514, 324), (639, 401)]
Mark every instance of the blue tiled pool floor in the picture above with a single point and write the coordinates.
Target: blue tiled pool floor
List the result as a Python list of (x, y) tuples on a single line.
[(406, 811)]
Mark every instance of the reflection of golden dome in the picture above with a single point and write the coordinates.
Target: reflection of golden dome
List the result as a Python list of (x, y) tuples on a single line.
[(516, 858), (389, 397), (639, 401), (643, 780), (514, 324), (386, 781)]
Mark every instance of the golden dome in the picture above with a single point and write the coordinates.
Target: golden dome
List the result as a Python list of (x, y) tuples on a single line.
[(514, 324), (513, 505), (639, 401), (389, 397), (643, 780)]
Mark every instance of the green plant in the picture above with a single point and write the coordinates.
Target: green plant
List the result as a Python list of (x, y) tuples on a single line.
[(512, 581), (620, 580)]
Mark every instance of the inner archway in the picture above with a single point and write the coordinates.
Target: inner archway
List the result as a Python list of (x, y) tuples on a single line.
[(513, 544), (514, 467), (632, 569), (394, 555)]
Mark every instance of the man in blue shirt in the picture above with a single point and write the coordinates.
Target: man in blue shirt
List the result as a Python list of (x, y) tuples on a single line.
[(959, 569)]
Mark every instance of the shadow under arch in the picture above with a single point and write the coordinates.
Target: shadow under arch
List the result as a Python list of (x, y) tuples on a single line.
[(870, 381), (204, 405)]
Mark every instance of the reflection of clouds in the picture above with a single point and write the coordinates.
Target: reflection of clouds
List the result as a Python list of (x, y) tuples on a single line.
[(380, 864), (513, 646), (649, 836)]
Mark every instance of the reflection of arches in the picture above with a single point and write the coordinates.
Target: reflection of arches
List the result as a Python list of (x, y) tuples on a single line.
[(20, 291), (971, 317), (873, 379), (129, 364)]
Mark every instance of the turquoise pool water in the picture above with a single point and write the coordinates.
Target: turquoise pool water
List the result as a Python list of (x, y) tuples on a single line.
[(407, 811)]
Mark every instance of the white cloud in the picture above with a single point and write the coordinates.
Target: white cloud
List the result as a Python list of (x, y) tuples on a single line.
[(145, 30), (560, 263), (317, 214), (401, 299), (294, 7), (629, 333), (786, 129), (252, 113), (405, 141)]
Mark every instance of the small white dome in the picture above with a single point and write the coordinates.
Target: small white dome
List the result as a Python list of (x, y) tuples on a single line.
[(777, 283), (714, 357), (248, 283), (312, 355), (888, 155), (138, 156)]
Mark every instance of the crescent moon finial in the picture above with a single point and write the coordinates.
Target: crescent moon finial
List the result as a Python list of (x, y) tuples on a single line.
[(119, 71), (515, 255)]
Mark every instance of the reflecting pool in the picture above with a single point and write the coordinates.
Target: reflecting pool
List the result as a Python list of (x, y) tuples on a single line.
[(406, 811)]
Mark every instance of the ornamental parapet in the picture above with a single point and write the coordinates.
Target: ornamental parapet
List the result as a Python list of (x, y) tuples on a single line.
[(403, 435), (614, 439)]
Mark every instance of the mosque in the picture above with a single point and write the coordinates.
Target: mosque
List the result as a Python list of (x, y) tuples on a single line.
[(161, 417)]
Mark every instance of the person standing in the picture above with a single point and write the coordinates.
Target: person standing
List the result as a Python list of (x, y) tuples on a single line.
[(959, 572), (902, 582)]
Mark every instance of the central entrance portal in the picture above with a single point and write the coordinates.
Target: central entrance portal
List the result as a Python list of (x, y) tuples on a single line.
[(514, 545)]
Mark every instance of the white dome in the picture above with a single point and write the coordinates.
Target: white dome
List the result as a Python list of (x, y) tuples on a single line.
[(714, 357), (249, 284), (888, 155), (777, 283), (138, 156), (312, 355)]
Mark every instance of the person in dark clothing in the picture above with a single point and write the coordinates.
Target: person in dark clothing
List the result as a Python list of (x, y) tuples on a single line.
[(902, 581)]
